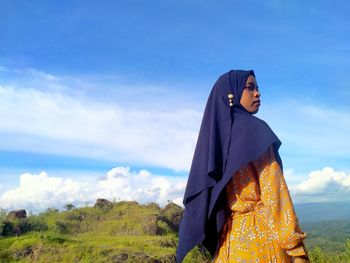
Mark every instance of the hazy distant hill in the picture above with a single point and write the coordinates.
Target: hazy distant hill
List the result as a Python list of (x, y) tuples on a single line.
[(323, 211), (328, 228)]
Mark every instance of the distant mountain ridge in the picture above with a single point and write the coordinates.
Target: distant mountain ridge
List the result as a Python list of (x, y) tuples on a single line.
[(312, 212)]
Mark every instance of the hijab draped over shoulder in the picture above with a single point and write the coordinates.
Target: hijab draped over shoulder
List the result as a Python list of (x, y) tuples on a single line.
[(229, 138)]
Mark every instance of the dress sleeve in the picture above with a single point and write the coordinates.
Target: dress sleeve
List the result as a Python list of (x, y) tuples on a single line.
[(278, 206)]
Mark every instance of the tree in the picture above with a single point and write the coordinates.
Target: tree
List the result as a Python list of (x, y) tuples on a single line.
[(2, 213), (69, 207), (317, 255)]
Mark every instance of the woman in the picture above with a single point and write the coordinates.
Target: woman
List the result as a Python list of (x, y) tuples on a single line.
[(236, 201)]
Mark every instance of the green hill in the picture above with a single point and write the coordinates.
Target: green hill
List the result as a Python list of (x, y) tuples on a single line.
[(116, 232), (131, 232)]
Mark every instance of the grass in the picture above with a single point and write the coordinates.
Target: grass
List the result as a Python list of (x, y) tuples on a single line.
[(122, 232), (130, 232)]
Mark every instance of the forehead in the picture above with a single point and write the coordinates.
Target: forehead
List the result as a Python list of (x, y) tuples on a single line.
[(251, 80)]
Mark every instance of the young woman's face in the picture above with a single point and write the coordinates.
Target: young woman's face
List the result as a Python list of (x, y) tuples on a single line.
[(250, 99)]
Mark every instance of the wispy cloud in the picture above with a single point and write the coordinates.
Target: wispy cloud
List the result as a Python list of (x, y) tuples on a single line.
[(57, 122), (310, 128), (37, 192), (139, 125)]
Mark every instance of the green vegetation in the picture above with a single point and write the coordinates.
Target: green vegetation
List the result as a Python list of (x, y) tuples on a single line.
[(117, 232), (319, 255), (130, 232), (328, 241)]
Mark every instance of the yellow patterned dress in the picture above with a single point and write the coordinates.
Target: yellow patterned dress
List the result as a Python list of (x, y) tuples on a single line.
[(262, 226)]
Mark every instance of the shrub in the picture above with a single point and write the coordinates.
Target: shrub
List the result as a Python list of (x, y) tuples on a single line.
[(61, 227), (172, 214), (33, 223), (9, 229)]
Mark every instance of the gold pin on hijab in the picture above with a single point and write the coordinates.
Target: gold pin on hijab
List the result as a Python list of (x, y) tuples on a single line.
[(230, 98)]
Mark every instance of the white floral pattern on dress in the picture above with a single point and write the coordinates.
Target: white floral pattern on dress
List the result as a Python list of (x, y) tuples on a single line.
[(262, 226)]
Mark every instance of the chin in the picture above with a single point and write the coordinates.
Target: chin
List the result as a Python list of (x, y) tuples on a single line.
[(254, 111)]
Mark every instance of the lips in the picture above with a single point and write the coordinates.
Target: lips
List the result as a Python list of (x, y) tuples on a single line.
[(257, 102)]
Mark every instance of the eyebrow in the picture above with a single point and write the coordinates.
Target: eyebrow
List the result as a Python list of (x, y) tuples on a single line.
[(251, 83)]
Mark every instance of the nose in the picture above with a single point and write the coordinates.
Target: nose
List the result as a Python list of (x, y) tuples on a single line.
[(257, 93)]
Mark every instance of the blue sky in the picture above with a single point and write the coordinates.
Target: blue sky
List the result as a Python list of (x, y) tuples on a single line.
[(89, 86)]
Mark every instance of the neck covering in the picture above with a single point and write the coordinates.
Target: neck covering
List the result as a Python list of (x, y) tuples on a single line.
[(229, 138)]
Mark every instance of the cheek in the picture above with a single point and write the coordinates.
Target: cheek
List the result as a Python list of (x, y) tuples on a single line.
[(251, 98), (246, 100)]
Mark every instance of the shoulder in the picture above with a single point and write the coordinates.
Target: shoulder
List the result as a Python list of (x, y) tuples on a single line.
[(253, 124), (259, 122), (268, 156), (266, 160)]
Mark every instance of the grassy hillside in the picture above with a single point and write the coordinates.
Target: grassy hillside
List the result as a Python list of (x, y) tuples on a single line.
[(119, 232), (130, 232)]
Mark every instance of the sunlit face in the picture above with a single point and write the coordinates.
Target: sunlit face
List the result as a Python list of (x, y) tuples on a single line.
[(250, 99)]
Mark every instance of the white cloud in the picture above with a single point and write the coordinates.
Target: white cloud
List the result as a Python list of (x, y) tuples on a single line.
[(323, 185), (56, 121), (37, 192)]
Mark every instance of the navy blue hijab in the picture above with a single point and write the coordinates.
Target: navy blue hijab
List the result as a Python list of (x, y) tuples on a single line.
[(229, 138)]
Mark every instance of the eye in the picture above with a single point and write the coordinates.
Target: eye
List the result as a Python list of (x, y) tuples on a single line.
[(252, 88)]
